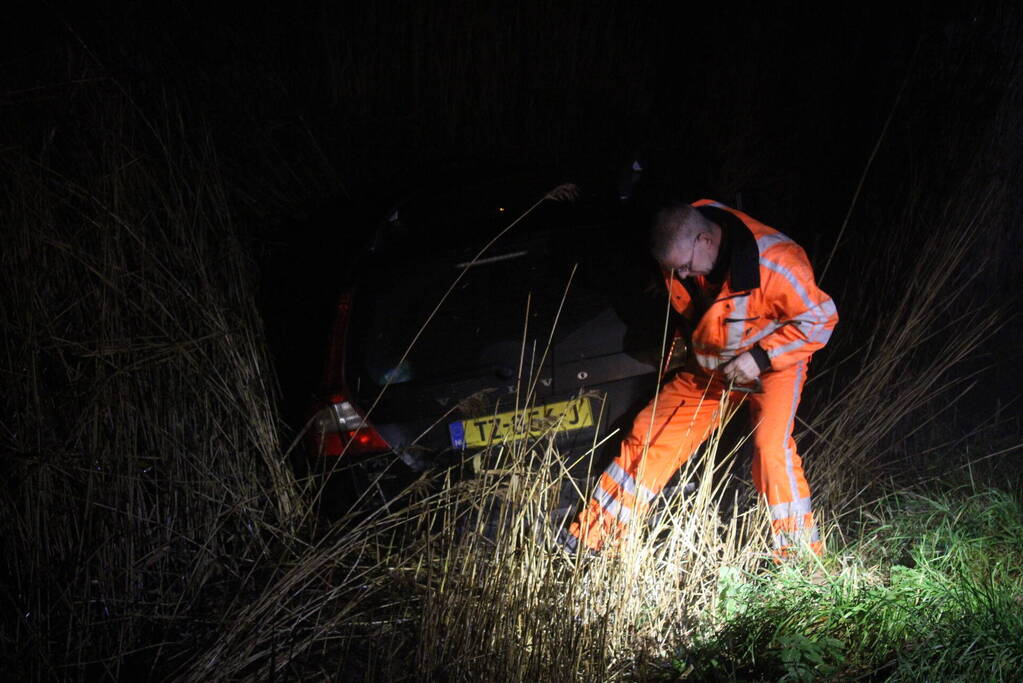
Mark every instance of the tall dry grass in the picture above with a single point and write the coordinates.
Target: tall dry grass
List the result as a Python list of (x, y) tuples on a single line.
[(908, 348), (461, 577), (144, 486)]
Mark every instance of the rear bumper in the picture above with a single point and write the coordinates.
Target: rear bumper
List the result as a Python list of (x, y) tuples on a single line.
[(423, 441)]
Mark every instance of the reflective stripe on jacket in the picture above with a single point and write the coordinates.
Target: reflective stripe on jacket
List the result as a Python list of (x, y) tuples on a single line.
[(769, 298)]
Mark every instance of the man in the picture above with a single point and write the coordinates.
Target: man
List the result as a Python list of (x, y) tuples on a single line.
[(749, 297)]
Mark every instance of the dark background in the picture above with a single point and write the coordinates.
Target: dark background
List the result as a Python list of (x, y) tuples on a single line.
[(179, 178), (321, 112)]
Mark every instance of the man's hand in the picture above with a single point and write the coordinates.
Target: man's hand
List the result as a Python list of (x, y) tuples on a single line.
[(742, 369)]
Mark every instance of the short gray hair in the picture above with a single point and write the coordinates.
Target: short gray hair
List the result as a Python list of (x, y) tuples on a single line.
[(674, 222)]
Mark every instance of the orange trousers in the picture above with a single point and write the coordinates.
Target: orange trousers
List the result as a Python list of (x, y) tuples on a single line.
[(685, 412)]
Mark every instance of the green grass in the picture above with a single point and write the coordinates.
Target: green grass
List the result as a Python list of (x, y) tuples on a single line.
[(931, 590)]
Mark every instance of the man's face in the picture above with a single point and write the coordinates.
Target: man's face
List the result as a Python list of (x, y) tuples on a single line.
[(692, 256)]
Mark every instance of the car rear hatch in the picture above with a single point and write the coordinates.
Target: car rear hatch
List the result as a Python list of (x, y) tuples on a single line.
[(559, 313)]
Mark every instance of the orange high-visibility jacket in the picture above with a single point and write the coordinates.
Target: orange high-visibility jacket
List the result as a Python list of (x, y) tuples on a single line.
[(769, 303)]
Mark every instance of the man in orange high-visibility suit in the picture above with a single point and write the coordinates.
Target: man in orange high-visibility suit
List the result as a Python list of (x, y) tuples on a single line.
[(756, 314)]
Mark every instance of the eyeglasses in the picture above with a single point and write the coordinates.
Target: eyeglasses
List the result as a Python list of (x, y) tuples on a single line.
[(686, 269)]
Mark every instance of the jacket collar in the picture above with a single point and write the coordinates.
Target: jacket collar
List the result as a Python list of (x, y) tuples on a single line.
[(744, 266)]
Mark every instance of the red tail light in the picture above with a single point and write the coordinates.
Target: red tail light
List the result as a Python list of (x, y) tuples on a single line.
[(338, 428)]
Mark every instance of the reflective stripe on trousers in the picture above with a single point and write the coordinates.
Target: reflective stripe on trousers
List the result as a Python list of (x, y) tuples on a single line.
[(686, 413)]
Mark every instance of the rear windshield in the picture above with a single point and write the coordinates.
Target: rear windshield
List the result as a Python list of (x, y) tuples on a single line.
[(568, 262)]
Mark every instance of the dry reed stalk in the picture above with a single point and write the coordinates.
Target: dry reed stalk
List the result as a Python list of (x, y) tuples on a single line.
[(539, 615), (144, 481), (924, 326)]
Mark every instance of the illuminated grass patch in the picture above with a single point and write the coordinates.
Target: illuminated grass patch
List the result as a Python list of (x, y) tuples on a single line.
[(935, 592)]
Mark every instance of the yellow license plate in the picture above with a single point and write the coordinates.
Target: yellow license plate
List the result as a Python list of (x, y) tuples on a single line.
[(564, 416)]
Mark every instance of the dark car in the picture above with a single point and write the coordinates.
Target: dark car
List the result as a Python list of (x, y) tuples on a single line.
[(442, 347)]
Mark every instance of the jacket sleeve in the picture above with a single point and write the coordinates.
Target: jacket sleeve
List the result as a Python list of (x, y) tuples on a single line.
[(804, 314)]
